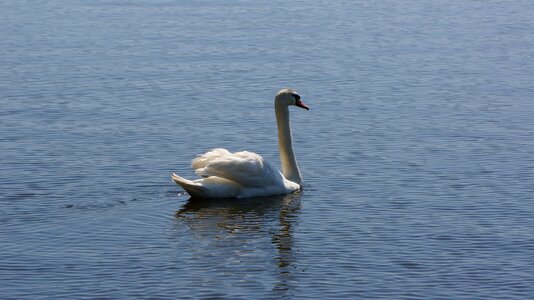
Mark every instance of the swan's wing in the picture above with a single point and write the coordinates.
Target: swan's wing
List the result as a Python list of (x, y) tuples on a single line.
[(245, 168), (203, 160)]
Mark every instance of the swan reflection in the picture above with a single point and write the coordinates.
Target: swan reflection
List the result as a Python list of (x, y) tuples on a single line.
[(250, 236)]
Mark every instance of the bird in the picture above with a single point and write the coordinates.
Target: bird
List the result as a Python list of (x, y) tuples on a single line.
[(246, 174)]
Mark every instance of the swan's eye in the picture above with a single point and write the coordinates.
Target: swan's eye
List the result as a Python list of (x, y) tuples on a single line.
[(296, 96)]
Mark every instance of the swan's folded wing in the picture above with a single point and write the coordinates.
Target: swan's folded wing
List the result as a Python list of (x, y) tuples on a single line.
[(245, 168), (203, 160)]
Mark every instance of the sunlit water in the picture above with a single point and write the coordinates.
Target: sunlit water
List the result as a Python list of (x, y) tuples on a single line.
[(417, 152)]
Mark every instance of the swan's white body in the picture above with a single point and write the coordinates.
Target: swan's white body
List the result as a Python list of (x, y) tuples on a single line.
[(246, 174)]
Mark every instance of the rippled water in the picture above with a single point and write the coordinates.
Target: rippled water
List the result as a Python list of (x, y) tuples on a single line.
[(417, 152)]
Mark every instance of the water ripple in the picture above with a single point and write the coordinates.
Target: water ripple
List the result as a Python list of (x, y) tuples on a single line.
[(416, 153)]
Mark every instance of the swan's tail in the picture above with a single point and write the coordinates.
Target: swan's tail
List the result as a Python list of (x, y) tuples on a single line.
[(194, 189)]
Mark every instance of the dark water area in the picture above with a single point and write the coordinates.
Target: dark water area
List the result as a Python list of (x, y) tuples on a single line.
[(417, 153)]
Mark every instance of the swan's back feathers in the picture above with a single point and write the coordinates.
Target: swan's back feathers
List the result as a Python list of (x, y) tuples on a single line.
[(202, 160), (245, 168)]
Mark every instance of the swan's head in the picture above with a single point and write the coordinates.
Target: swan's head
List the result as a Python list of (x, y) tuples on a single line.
[(287, 97)]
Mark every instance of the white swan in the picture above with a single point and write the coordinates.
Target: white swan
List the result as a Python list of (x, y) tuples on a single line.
[(246, 174)]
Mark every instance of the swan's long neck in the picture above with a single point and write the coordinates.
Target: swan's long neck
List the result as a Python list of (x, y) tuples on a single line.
[(290, 169)]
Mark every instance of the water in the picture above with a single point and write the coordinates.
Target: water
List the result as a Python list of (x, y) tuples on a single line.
[(417, 152)]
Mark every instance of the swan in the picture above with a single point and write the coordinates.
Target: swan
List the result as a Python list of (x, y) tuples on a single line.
[(246, 174)]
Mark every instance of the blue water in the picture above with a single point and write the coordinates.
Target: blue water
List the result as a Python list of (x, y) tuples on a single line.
[(417, 153)]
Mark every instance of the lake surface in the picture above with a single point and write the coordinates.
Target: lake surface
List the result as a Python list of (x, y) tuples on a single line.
[(417, 153)]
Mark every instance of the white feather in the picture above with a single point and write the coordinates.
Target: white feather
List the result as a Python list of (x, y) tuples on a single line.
[(247, 168)]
